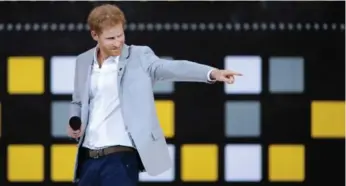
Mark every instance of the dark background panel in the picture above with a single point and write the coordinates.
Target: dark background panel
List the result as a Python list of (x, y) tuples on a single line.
[(2, 76), (326, 162), (187, 11), (199, 108), (26, 119), (199, 114), (3, 146), (285, 119)]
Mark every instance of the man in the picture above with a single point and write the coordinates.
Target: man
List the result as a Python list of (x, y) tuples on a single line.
[(120, 134)]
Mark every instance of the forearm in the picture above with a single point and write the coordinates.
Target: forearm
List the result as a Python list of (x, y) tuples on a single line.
[(76, 104), (179, 70), (75, 108)]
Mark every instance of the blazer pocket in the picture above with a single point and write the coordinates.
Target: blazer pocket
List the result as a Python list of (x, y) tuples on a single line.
[(156, 134)]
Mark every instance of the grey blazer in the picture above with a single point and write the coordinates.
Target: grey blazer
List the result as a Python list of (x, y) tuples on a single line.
[(139, 69)]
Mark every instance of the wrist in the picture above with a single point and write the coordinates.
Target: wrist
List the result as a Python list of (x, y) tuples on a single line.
[(213, 74)]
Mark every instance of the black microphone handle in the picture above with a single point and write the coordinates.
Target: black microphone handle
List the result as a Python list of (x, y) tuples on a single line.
[(75, 123), (74, 127)]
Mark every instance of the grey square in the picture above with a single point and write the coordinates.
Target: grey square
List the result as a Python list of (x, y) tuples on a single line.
[(242, 118), (163, 87), (60, 116), (286, 74)]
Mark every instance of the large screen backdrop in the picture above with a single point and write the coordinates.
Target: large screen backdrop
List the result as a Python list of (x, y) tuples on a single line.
[(282, 123)]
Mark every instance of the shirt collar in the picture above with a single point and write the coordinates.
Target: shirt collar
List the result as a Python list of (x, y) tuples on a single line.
[(115, 58)]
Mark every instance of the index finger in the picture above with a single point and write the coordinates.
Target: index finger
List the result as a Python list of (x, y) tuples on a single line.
[(235, 73)]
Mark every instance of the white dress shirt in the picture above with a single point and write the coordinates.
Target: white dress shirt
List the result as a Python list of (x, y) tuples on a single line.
[(106, 125)]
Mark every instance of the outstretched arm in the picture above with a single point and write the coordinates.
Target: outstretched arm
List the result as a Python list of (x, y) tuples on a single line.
[(173, 70), (183, 70)]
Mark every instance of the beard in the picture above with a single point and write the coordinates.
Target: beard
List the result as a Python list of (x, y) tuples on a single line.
[(114, 52)]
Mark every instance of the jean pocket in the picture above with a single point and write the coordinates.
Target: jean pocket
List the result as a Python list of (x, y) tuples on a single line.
[(130, 166)]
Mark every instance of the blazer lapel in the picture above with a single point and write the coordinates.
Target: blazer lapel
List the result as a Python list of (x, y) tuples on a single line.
[(86, 96), (89, 65), (122, 63)]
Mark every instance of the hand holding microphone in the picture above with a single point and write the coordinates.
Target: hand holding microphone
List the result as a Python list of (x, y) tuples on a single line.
[(74, 130)]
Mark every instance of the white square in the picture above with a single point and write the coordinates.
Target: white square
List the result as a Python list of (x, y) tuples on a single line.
[(167, 176), (62, 70), (243, 163), (251, 68)]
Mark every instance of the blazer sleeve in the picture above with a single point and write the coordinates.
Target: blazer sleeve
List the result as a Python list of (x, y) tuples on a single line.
[(76, 103), (173, 70)]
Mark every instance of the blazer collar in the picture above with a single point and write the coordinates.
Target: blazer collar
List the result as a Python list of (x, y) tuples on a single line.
[(124, 52)]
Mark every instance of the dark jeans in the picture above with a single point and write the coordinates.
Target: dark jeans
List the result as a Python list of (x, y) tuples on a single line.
[(120, 168)]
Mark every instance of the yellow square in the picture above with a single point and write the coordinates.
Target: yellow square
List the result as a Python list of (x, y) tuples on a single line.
[(165, 112), (62, 162), (199, 162), (25, 75), (25, 163), (328, 119), (286, 163)]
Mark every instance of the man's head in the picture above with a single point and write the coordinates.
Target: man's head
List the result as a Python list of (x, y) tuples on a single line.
[(106, 23)]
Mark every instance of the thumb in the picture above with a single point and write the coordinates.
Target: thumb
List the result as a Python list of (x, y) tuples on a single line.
[(223, 78)]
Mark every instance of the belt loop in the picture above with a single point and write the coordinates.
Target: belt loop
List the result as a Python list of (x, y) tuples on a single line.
[(97, 155)]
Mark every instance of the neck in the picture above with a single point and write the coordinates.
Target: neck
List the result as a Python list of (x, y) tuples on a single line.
[(101, 56)]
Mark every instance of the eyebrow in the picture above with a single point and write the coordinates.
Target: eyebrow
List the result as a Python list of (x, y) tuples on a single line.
[(109, 37)]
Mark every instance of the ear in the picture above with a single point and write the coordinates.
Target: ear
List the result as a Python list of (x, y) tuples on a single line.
[(94, 35)]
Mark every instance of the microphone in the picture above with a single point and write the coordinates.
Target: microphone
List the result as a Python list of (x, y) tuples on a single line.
[(75, 123)]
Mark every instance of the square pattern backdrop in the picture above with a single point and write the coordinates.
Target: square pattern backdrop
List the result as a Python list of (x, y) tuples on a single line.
[(241, 162), (281, 123)]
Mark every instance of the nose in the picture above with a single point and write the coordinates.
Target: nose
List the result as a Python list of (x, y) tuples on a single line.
[(117, 44)]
